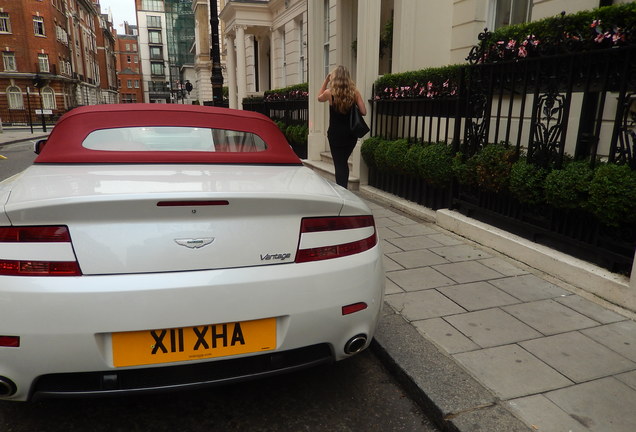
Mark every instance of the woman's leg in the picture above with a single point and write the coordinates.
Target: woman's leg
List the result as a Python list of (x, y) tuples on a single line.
[(340, 154)]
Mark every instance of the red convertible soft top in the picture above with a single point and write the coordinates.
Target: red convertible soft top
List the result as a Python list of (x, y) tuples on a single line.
[(66, 143)]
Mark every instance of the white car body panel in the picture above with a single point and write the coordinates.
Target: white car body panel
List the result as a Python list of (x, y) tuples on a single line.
[(165, 246)]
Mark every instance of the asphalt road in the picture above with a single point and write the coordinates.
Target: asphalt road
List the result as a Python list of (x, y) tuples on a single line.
[(353, 395), (19, 156), (357, 394)]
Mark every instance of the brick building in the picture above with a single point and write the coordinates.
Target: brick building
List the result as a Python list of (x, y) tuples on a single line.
[(129, 74), (56, 55)]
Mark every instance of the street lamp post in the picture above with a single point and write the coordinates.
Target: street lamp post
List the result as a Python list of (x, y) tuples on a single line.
[(38, 82), (215, 56)]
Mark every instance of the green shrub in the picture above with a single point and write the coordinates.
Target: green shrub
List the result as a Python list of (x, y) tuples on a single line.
[(569, 188), (492, 167), (367, 150), (381, 154), (613, 194), (396, 155), (527, 182), (464, 170), (435, 164), (412, 158)]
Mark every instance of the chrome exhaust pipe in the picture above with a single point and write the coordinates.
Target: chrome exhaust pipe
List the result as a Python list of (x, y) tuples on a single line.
[(355, 344), (7, 387)]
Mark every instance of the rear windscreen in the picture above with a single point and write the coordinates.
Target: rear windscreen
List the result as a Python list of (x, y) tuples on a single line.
[(173, 139)]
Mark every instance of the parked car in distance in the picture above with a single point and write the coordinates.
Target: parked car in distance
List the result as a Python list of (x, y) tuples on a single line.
[(153, 247)]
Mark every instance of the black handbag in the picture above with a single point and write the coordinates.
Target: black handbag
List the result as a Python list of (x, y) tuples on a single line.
[(356, 122)]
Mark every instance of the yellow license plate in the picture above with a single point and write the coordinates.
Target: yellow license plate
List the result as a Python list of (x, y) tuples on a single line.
[(193, 343)]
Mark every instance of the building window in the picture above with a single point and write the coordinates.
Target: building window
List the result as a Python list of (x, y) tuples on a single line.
[(154, 36), (38, 26), (127, 47), (136, 83), (14, 96), (156, 53), (134, 47), (508, 12), (43, 62), (48, 98), (156, 69), (128, 59), (153, 21), (119, 83), (152, 5), (5, 24), (8, 58), (136, 59), (128, 98), (129, 83)]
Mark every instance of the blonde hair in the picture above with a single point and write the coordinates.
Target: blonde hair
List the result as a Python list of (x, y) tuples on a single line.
[(343, 90)]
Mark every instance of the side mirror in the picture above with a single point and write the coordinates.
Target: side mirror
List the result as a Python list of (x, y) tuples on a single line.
[(38, 146)]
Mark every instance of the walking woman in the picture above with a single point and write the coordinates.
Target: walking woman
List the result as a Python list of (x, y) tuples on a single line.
[(339, 90)]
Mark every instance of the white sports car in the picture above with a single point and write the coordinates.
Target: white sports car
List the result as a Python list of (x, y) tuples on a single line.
[(152, 247)]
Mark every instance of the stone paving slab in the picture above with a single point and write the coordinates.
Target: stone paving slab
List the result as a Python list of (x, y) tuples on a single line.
[(549, 317), (492, 327), (578, 357), (512, 372), (601, 406), (477, 295)]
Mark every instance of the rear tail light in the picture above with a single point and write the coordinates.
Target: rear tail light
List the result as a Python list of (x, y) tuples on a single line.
[(37, 251), (335, 237)]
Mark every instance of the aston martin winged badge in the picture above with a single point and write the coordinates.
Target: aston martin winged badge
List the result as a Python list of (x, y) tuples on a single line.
[(195, 243)]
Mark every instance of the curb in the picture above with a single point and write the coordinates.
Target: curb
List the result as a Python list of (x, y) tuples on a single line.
[(452, 398), (17, 140)]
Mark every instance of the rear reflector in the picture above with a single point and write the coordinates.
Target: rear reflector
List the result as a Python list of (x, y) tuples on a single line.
[(357, 234), (10, 341), (353, 308), (42, 265)]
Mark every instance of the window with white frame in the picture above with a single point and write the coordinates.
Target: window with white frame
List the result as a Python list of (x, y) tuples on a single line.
[(8, 59), (136, 83), (129, 83), (153, 21), (5, 23), (14, 96), (154, 36), (43, 62), (508, 12), (152, 5), (48, 98), (38, 26), (157, 69)]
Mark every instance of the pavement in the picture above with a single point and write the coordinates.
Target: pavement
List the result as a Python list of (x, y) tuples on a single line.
[(12, 135), (483, 342)]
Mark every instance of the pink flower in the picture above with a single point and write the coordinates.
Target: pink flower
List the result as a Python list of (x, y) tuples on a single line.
[(429, 85), (511, 44), (445, 85), (599, 38), (595, 23), (522, 52)]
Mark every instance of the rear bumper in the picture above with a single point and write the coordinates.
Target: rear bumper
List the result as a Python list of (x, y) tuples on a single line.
[(65, 323), (188, 376)]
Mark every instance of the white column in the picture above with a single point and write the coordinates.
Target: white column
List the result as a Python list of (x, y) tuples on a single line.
[(273, 59), (231, 72), (367, 64), (240, 65), (317, 140)]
